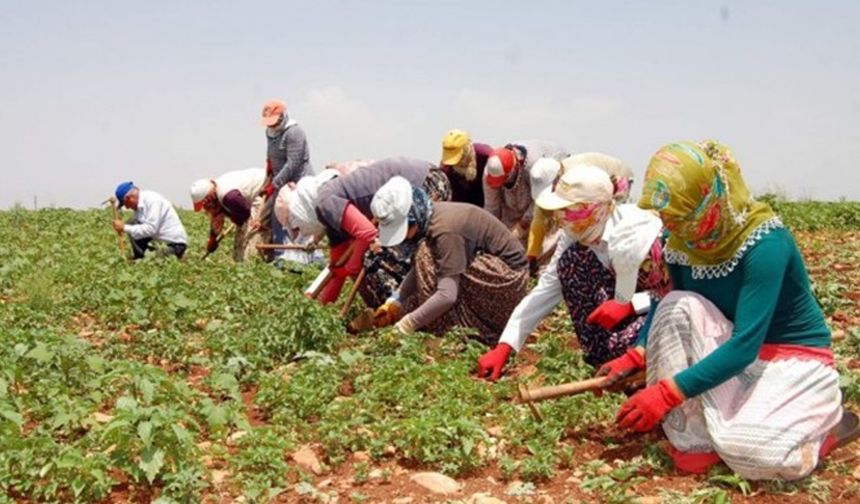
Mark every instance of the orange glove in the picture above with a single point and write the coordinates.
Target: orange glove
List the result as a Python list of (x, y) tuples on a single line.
[(387, 314)]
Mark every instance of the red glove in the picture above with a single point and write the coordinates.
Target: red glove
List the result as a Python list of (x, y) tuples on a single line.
[(491, 363), (646, 408), (610, 313), (622, 367), (212, 243), (269, 190)]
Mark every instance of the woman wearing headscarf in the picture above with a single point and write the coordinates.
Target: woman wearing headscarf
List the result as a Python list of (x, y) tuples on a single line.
[(339, 207), (739, 364), (544, 231), (607, 268), (463, 162), (507, 182), (468, 270)]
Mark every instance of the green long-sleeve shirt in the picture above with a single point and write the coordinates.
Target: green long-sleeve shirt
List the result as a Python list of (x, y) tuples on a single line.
[(767, 297)]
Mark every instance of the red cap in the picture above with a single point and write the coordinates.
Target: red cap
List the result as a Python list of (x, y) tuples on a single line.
[(499, 167), (272, 112)]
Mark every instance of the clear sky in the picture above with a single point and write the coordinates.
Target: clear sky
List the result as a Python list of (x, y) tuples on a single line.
[(164, 92)]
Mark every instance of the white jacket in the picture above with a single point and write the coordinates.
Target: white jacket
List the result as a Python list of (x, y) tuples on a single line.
[(249, 182), (156, 218), (542, 300)]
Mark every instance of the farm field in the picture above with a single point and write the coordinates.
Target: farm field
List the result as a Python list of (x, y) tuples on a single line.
[(205, 381)]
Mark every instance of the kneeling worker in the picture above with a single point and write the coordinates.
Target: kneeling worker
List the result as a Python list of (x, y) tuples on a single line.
[(154, 219)]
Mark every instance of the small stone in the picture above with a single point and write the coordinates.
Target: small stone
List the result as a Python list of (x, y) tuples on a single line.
[(402, 500), (856, 473), (307, 459), (578, 473), (218, 476), (236, 436), (483, 498), (389, 450), (491, 480), (573, 480), (100, 417), (324, 483), (204, 445), (837, 335), (649, 499), (495, 431), (436, 482), (361, 456), (375, 474), (604, 469), (520, 489)]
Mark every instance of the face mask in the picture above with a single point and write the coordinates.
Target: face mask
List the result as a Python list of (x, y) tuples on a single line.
[(585, 223)]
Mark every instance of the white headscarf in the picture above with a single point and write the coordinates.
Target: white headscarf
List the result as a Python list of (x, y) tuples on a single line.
[(629, 242), (301, 203)]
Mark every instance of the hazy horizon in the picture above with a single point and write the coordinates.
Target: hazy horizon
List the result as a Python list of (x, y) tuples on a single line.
[(163, 93)]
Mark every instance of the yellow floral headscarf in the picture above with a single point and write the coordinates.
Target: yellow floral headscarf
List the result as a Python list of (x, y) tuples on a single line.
[(703, 201)]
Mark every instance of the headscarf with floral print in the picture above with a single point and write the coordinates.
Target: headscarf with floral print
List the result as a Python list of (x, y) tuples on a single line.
[(703, 201)]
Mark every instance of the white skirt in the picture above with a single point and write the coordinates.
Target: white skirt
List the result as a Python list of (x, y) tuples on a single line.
[(767, 422)]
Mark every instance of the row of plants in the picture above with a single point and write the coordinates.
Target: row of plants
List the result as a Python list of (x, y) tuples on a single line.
[(140, 376)]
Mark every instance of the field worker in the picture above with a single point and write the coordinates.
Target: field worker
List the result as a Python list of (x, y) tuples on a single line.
[(468, 270), (154, 219), (240, 196), (463, 161), (287, 161), (739, 363), (340, 208), (507, 184), (544, 231), (346, 167), (607, 268)]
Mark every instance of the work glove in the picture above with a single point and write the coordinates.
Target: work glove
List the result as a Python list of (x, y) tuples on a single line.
[(490, 364), (610, 313), (621, 367), (269, 190), (405, 325), (212, 243), (388, 314), (646, 408)]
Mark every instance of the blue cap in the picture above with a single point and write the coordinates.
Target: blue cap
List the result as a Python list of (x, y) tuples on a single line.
[(122, 190)]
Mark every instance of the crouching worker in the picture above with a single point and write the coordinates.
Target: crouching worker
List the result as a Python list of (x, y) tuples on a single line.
[(239, 196), (341, 207), (739, 364), (154, 219), (607, 268), (468, 270)]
